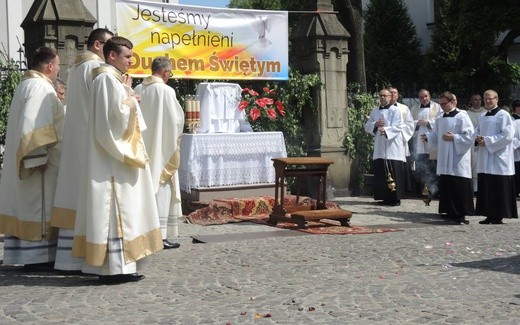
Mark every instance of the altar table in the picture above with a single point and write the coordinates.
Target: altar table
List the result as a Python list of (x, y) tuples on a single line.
[(226, 159)]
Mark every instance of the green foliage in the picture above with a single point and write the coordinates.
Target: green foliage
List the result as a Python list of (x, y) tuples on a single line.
[(357, 143), (10, 78), (296, 95), (464, 57), (256, 4), (392, 48)]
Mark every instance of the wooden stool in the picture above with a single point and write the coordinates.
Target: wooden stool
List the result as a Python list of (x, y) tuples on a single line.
[(299, 214)]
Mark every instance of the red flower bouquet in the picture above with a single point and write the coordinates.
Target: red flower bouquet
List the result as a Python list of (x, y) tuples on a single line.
[(261, 105)]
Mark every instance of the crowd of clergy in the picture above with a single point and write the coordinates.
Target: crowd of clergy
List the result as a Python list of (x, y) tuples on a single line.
[(440, 151), (89, 187)]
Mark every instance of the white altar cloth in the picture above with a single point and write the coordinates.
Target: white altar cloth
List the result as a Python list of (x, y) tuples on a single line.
[(224, 159), (219, 107)]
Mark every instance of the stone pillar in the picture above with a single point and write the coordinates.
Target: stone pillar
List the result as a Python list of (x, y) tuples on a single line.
[(61, 24), (320, 46)]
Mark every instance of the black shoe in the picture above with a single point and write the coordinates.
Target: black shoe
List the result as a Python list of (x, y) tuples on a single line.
[(120, 278), (497, 222), (69, 272), (462, 221), (390, 203), (39, 267), (486, 221), (168, 244)]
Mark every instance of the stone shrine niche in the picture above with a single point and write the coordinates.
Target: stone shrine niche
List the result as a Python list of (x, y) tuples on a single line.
[(321, 47), (61, 24), (70, 50)]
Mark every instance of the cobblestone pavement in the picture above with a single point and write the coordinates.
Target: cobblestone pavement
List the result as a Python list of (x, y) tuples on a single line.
[(428, 273)]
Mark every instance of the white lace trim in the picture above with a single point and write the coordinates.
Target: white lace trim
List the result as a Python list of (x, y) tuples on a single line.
[(225, 159)]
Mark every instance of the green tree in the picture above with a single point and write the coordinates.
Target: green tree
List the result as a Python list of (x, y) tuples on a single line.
[(9, 78), (256, 4), (392, 48), (350, 14), (470, 45)]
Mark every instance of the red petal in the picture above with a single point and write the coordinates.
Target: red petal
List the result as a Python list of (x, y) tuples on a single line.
[(243, 104), (254, 113)]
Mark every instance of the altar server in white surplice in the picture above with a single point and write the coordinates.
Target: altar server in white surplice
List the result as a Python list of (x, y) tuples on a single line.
[(407, 131), (31, 160), (452, 136), (475, 110), (424, 115), (385, 124), (116, 219), (495, 163), (79, 93), (164, 119)]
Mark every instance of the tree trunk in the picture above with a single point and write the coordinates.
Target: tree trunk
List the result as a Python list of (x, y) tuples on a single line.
[(351, 16)]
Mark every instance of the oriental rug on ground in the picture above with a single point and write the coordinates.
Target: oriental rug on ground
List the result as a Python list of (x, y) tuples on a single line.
[(257, 210)]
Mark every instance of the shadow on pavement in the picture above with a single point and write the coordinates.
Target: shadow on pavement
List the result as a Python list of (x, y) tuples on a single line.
[(501, 264), (15, 275), (411, 213)]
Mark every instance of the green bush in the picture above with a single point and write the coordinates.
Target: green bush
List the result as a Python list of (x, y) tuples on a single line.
[(357, 143), (10, 77)]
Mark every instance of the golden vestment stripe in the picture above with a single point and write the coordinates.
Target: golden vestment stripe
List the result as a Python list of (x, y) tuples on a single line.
[(79, 246), (152, 79), (143, 246), (172, 165), (44, 136), (105, 69), (25, 230), (117, 210), (96, 254), (63, 218), (135, 153), (87, 56)]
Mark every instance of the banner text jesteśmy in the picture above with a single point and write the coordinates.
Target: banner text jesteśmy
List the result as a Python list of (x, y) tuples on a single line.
[(201, 38), (214, 64)]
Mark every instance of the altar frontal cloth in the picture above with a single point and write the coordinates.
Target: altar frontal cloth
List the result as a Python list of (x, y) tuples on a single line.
[(204, 42)]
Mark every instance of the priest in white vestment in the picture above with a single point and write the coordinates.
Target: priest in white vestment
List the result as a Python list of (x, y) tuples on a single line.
[(164, 120), (31, 160), (117, 224), (452, 136), (385, 124), (424, 171), (74, 143), (495, 163)]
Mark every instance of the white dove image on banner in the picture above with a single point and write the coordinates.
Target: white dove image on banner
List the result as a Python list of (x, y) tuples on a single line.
[(206, 43)]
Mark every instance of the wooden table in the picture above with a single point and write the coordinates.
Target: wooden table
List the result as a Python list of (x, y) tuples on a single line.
[(304, 167)]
